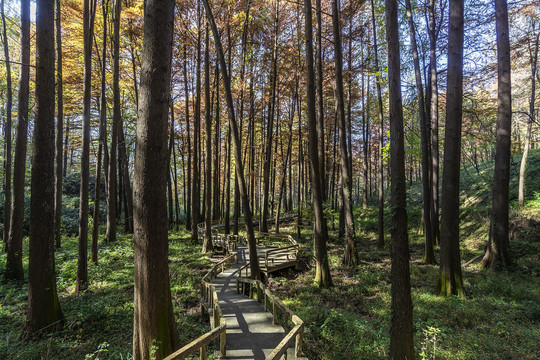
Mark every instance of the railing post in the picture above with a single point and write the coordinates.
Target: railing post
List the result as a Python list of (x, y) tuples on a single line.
[(203, 352), (299, 339), (223, 340), (274, 311)]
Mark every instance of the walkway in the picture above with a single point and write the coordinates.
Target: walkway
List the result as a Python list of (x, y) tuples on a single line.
[(251, 333)]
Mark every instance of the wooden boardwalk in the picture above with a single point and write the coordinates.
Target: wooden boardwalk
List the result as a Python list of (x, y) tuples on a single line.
[(251, 332), (245, 317)]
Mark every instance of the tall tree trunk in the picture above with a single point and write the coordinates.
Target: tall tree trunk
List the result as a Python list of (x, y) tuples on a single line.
[(350, 256), (270, 125), (217, 152), (124, 164), (380, 241), (59, 124), (530, 120), (434, 107), (322, 271), (450, 277), (401, 326), (188, 143), (207, 244), (319, 97), (429, 255), (154, 328), (110, 234), (82, 262), (14, 267), (102, 138), (196, 191), (43, 305), (7, 134), (175, 178), (253, 259), (497, 256)]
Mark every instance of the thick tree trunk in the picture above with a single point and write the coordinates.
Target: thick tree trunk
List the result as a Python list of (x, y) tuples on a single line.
[(253, 259), (350, 256), (401, 326), (14, 267), (82, 263), (498, 253), (43, 305), (429, 255), (322, 271), (154, 329), (450, 277), (319, 97), (7, 135)]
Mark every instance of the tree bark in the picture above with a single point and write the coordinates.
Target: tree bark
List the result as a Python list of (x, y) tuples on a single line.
[(380, 241), (110, 234), (188, 143), (58, 186), (154, 329), (401, 326), (429, 255), (497, 256), (196, 190), (350, 256), (450, 277), (322, 271), (207, 244), (7, 135), (530, 120), (82, 263), (43, 305), (14, 267)]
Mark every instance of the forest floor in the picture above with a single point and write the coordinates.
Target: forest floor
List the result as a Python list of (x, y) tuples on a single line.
[(498, 319)]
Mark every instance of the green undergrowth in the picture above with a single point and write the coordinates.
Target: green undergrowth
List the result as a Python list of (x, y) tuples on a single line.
[(499, 317), (99, 322)]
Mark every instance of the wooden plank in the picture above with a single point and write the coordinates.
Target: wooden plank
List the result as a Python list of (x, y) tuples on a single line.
[(281, 349)]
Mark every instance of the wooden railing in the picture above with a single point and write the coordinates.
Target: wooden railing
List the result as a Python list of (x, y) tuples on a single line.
[(210, 300), (296, 334)]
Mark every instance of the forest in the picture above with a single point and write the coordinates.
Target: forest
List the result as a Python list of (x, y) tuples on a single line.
[(268, 179)]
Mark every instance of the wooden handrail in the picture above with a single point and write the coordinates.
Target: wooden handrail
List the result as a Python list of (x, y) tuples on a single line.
[(296, 333), (200, 343)]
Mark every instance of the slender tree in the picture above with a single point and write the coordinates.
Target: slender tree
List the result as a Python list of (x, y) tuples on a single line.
[(498, 253), (43, 305), (196, 190), (401, 327), (322, 272), (350, 256), (380, 242), (59, 180), (82, 263), (253, 259), (7, 133), (429, 255), (188, 145), (154, 329), (450, 277), (110, 234), (14, 268), (533, 50), (207, 244)]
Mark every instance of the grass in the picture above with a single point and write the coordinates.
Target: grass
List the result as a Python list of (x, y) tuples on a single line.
[(498, 319), (99, 322)]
